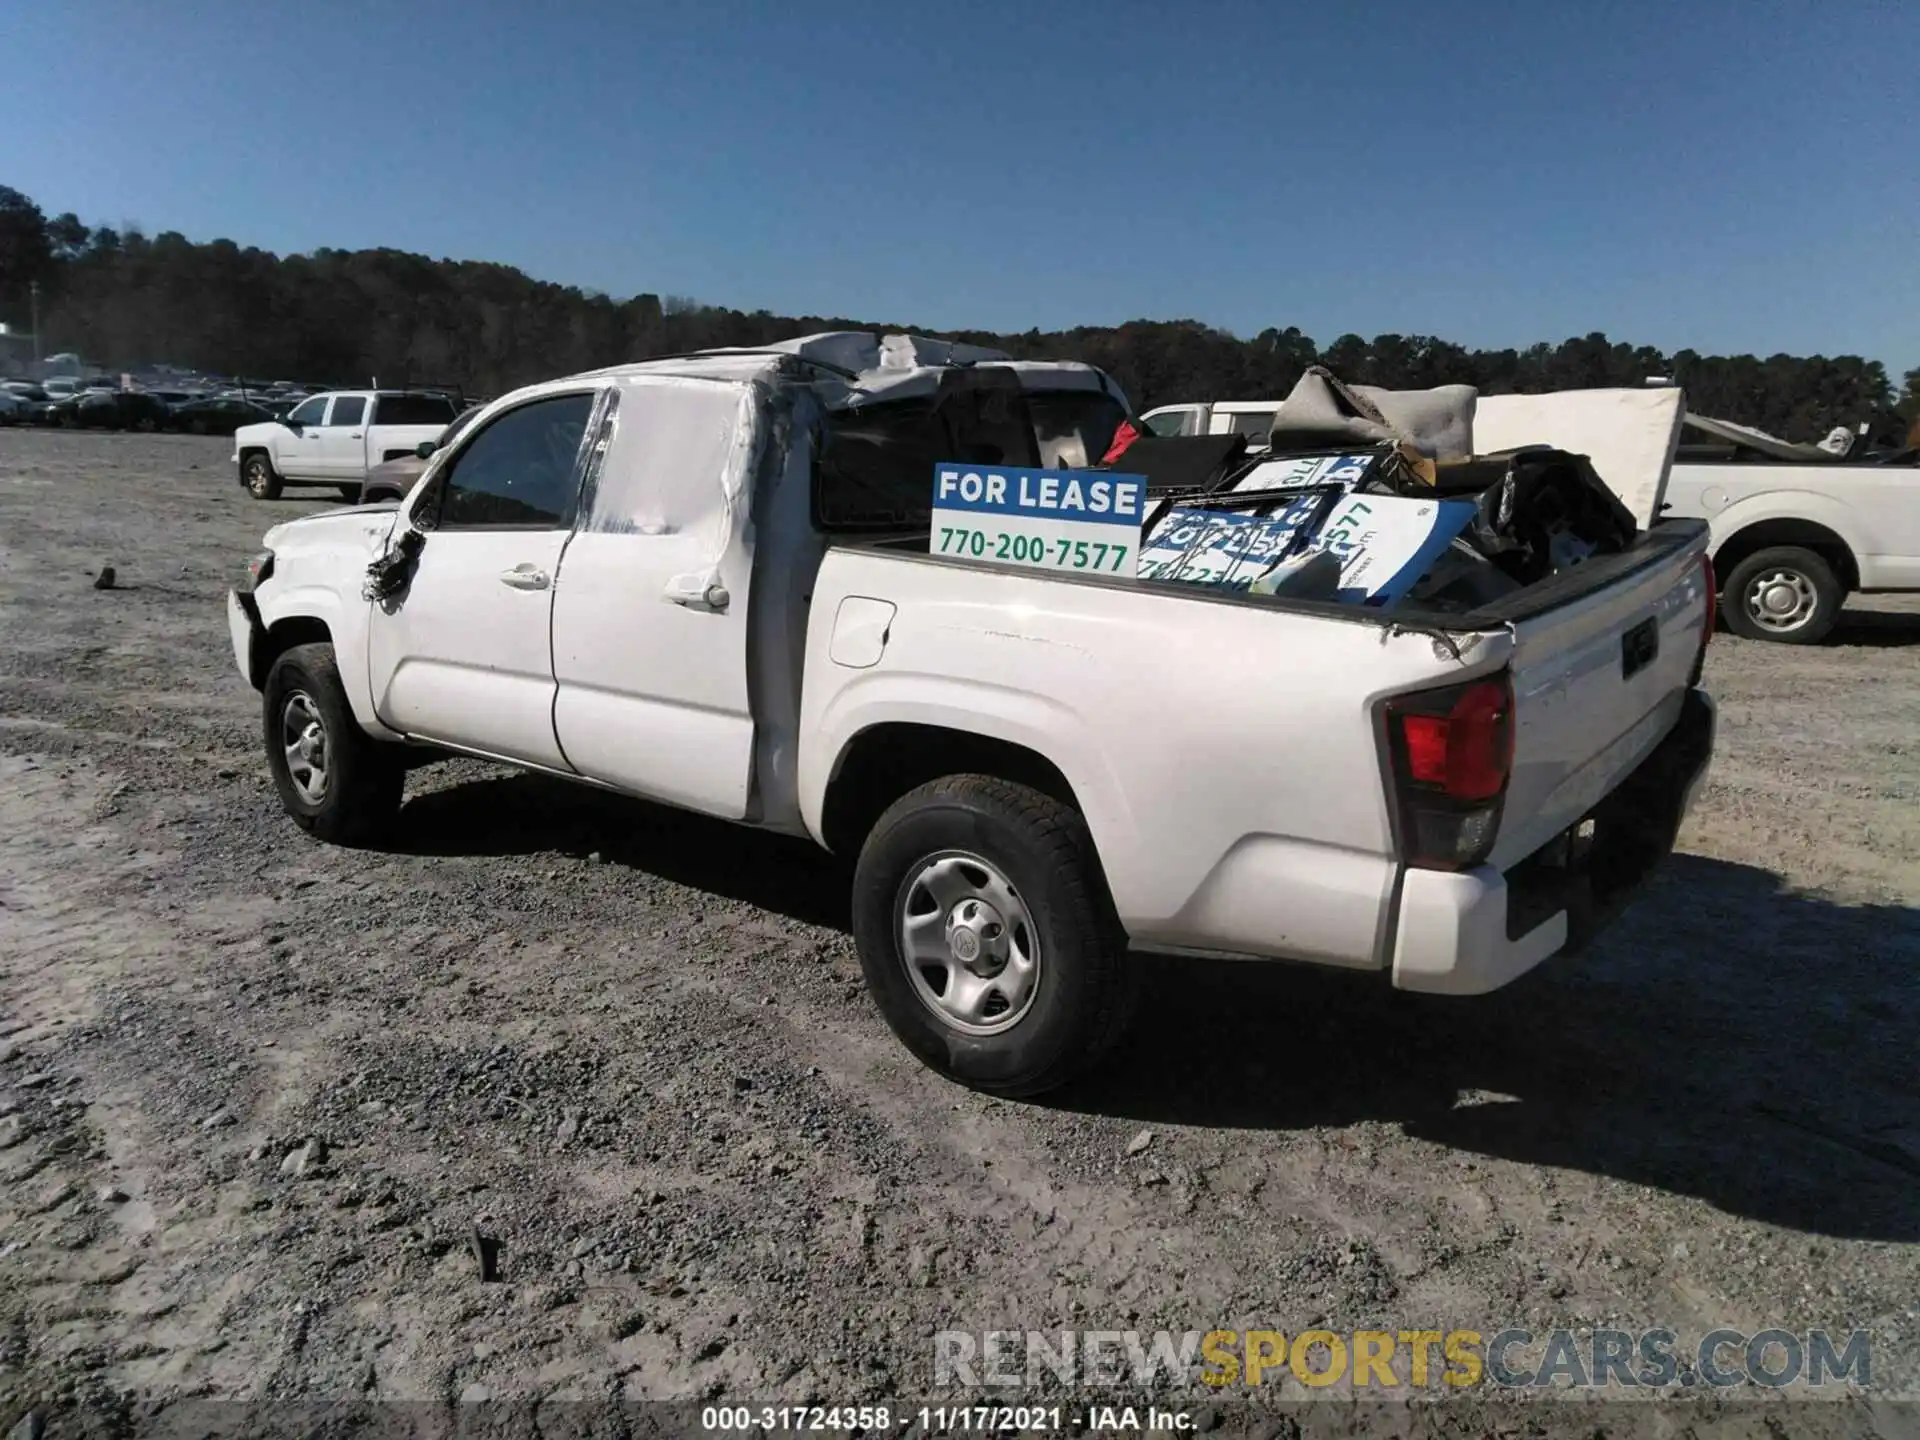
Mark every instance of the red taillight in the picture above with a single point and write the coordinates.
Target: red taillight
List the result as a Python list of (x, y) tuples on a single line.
[(1426, 741), (1467, 751), (1708, 621), (1452, 751)]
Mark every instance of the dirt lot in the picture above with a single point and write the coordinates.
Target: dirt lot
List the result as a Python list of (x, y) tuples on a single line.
[(633, 1049)]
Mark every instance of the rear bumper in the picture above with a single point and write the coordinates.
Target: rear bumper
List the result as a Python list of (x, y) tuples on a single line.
[(1473, 931)]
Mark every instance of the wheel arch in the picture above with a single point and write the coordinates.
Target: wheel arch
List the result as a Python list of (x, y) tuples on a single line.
[(1767, 532), (884, 761), (272, 641)]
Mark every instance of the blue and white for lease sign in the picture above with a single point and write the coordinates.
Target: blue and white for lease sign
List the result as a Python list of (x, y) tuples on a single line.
[(1054, 519)]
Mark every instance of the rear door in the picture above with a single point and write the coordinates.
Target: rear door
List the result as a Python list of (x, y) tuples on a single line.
[(342, 443), (1597, 682), (464, 654), (650, 618)]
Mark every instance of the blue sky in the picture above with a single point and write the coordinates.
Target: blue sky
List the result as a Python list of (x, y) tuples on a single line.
[(1730, 176)]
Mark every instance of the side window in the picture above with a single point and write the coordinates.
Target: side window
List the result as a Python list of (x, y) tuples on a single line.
[(520, 470), (413, 410), (1254, 424), (309, 412), (1174, 422), (347, 409)]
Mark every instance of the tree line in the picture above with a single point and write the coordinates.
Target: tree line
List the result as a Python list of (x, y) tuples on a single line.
[(124, 299)]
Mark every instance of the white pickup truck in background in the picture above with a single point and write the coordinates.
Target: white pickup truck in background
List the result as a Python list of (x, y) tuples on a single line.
[(706, 581), (1251, 418), (1796, 528), (336, 438)]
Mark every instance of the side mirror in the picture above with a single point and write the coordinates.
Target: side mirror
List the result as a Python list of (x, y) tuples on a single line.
[(426, 448)]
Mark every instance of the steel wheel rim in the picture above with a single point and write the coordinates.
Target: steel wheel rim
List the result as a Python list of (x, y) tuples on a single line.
[(1781, 600), (257, 477), (968, 942), (303, 736)]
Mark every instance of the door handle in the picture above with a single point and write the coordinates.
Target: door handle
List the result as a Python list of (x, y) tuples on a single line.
[(525, 577), (696, 592)]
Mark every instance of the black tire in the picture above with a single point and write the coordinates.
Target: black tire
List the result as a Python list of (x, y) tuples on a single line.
[(258, 476), (1785, 594), (197, 426), (1086, 982), (358, 794)]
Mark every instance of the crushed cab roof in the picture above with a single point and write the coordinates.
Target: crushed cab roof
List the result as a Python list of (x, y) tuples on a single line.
[(855, 367)]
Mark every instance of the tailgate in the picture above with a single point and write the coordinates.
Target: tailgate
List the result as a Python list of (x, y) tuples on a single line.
[(1597, 681)]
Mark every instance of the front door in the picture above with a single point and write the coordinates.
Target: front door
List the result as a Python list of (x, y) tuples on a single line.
[(464, 655), (297, 456), (342, 447)]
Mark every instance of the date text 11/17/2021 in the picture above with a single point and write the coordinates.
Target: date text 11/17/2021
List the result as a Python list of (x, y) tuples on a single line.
[(1053, 519)]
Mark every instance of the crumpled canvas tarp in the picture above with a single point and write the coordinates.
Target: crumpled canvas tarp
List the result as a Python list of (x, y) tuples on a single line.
[(1324, 411)]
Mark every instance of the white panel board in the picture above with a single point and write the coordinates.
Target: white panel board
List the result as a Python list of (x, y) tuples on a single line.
[(1630, 435)]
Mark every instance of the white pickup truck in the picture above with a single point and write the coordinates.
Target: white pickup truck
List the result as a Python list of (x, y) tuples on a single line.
[(1795, 528), (707, 581), (336, 437)]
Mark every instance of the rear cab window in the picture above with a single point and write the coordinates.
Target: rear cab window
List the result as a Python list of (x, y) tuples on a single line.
[(413, 410)]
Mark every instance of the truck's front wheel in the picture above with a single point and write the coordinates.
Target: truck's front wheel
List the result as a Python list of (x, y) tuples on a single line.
[(258, 475), (987, 935), (334, 779)]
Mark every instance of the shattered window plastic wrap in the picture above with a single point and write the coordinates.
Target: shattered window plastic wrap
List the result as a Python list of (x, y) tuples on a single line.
[(673, 435)]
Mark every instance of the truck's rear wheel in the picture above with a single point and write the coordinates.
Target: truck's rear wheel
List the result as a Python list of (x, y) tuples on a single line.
[(987, 935), (260, 478), (334, 779), (1783, 593)]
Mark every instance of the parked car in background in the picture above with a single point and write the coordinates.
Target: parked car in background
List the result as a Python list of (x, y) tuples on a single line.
[(219, 415), (1796, 528), (25, 390), (122, 410), (336, 438), (13, 409), (61, 411), (392, 479), (59, 387), (1251, 418)]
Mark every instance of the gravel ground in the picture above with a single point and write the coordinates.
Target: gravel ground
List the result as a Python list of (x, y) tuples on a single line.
[(257, 1095)]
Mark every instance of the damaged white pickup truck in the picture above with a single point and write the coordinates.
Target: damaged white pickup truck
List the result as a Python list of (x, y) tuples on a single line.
[(707, 581)]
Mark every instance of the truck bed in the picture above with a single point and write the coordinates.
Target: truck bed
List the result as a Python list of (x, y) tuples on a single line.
[(1654, 547), (1281, 837)]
